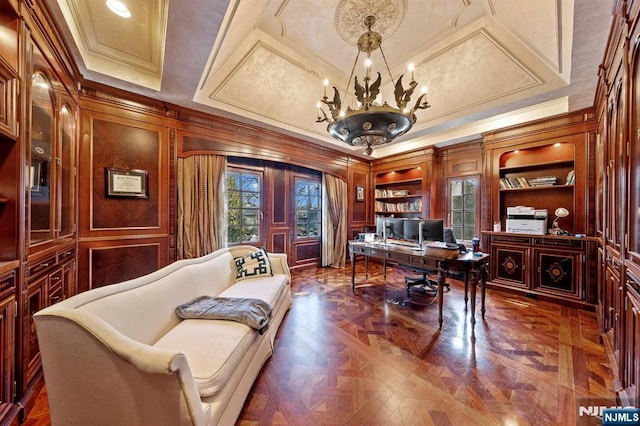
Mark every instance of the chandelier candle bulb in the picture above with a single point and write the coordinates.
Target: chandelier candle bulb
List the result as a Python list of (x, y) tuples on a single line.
[(411, 68)]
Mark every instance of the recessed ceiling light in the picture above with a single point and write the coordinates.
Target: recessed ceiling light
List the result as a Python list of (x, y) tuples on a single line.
[(119, 8)]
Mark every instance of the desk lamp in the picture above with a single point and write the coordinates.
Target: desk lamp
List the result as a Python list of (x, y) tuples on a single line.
[(555, 229)]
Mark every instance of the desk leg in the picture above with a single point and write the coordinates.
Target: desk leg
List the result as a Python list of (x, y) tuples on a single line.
[(474, 285), (441, 280), (466, 289), (384, 269), (483, 282), (366, 268), (353, 272)]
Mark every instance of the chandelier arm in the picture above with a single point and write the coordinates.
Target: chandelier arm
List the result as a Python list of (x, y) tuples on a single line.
[(353, 69)]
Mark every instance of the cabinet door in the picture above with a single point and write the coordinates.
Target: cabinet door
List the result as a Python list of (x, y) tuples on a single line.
[(558, 272), (40, 170), (631, 377), (7, 336), (69, 287), (509, 265), (613, 306), (65, 166), (34, 301)]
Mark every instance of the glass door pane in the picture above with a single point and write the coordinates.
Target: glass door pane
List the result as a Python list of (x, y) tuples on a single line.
[(65, 169), (40, 171)]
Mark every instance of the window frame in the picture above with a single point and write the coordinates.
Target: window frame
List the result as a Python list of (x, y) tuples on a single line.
[(260, 209), (310, 180), (476, 227)]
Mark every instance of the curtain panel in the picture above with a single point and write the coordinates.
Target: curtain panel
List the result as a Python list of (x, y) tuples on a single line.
[(202, 218), (334, 227)]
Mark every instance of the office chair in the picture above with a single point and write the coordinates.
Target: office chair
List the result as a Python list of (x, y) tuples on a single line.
[(427, 283)]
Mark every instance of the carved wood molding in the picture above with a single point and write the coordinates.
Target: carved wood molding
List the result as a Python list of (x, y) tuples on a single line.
[(579, 119)]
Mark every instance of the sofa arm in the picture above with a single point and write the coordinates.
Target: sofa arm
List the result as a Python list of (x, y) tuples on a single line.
[(279, 265), (95, 374)]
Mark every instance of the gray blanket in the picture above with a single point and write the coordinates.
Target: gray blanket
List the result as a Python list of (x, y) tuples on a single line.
[(255, 313)]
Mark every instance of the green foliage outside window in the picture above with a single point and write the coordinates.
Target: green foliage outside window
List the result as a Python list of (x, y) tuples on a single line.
[(463, 195), (308, 208), (243, 207)]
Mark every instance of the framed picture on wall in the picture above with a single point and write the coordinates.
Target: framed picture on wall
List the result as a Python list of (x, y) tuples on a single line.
[(128, 183), (359, 193)]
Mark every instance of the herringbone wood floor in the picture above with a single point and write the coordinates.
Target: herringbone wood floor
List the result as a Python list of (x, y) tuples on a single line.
[(376, 357)]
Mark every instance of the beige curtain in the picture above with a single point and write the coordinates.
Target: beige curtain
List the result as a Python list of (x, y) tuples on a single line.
[(334, 227), (202, 218)]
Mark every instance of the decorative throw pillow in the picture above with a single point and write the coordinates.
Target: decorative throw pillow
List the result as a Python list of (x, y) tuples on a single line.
[(253, 265)]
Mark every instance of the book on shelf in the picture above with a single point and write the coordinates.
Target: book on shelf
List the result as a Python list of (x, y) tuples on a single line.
[(571, 178), (412, 206), (514, 182), (390, 193), (543, 181)]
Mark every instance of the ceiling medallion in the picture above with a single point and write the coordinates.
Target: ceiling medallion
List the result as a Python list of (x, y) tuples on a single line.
[(371, 122), (351, 13)]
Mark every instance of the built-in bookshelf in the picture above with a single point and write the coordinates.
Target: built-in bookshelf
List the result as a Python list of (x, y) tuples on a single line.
[(541, 177), (399, 193)]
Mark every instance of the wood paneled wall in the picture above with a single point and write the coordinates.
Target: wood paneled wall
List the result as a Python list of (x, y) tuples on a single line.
[(122, 238)]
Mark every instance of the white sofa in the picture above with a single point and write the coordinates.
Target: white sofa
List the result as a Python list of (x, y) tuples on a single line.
[(119, 355)]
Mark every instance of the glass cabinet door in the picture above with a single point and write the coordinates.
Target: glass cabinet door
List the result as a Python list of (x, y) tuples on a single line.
[(65, 171), (40, 177)]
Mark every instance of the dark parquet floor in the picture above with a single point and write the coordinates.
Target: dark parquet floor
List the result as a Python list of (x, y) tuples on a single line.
[(377, 357)]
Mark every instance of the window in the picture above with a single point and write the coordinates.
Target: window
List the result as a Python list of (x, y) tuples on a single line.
[(463, 196), (308, 205), (243, 205)]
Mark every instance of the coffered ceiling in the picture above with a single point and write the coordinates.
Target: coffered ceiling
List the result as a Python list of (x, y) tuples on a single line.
[(486, 63)]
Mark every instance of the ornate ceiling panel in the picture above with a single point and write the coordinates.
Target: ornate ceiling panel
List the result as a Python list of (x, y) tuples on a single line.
[(265, 60)]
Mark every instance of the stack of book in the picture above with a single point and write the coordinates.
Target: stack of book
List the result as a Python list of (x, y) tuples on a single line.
[(543, 181)]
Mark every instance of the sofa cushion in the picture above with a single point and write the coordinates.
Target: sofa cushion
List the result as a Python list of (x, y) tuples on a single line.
[(213, 348), (269, 289), (253, 265)]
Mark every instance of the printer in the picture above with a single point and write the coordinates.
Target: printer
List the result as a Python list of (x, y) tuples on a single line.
[(526, 220)]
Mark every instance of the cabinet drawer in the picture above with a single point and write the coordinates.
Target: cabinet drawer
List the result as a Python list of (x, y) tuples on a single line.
[(66, 254), (559, 242), (7, 284), (41, 266), (55, 293)]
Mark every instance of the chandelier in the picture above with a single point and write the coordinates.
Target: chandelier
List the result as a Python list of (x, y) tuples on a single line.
[(372, 122)]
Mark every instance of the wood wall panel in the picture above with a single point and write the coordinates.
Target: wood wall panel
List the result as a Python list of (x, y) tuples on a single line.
[(125, 147), (359, 211), (278, 242), (207, 134), (120, 262), (280, 206), (307, 252)]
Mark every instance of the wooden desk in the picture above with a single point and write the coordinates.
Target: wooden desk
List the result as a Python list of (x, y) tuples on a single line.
[(467, 263)]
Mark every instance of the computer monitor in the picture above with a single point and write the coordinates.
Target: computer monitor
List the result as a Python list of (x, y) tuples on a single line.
[(432, 229), (394, 227)]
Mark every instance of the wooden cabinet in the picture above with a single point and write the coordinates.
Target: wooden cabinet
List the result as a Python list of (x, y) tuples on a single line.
[(399, 193), (50, 278), (8, 284), (551, 267), (631, 371), (545, 165)]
